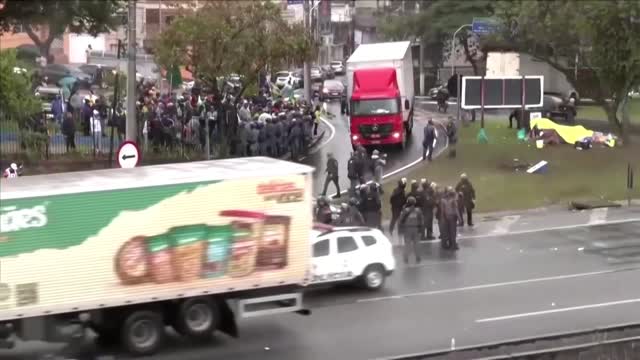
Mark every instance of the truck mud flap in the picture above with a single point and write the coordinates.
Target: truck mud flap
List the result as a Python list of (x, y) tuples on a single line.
[(227, 320)]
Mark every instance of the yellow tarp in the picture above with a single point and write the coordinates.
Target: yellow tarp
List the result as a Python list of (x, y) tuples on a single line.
[(569, 134)]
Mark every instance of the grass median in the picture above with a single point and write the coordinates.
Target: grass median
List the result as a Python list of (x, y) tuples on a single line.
[(595, 112), (599, 173)]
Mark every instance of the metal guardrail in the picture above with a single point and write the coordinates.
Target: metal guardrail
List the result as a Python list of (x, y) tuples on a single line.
[(513, 348)]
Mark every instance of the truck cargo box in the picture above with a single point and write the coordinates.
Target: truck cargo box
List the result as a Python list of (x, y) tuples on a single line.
[(87, 240)]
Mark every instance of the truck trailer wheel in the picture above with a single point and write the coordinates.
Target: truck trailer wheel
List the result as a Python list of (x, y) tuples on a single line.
[(142, 332), (197, 318)]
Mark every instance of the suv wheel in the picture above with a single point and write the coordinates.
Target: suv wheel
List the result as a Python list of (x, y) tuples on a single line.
[(373, 277)]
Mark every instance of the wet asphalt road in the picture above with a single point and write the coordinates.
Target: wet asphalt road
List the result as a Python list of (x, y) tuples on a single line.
[(493, 289), (340, 146)]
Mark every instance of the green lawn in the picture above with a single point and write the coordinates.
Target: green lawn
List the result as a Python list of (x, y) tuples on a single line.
[(599, 173), (594, 112)]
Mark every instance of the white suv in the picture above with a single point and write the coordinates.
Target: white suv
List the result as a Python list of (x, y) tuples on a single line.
[(358, 254)]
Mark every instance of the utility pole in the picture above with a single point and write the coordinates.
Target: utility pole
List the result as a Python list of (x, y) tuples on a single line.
[(307, 67), (132, 126)]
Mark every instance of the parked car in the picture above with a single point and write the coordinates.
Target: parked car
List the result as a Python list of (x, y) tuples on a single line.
[(56, 72), (338, 67), (554, 107), (351, 254), (332, 89), (283, 77), (47, 94), (316, 74), (328, 72)]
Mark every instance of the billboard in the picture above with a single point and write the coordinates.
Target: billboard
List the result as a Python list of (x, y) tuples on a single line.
[(108, 248), (504, 92)]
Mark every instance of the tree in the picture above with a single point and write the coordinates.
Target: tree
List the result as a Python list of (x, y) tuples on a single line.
[(17, 100), (225, 37), (436, 23), (603, 35), (58, 16), (241, 37)]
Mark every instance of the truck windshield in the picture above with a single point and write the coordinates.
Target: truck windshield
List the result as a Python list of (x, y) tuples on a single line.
[(375, 107)]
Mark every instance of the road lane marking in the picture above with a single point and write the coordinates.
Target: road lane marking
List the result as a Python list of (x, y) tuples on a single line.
[(598, 216), (503, 226), (500, 284), (317, 148), (553, 311), (551, 228), (419, 160)]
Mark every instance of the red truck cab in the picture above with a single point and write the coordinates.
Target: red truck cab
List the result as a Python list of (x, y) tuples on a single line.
[(377, 114)]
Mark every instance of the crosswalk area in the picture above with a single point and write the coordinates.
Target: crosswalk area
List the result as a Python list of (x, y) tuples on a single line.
[(618, 245)]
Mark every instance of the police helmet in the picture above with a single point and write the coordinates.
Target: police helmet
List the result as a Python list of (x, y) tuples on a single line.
[(411, 200)]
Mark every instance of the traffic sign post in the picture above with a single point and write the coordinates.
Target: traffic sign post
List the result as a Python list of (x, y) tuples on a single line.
[(501, 92), (128, 155), (484, 26)]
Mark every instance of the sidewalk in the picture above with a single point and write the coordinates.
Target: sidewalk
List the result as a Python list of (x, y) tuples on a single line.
[(534, 220)]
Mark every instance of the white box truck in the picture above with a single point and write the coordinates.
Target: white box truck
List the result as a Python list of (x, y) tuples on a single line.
[(521, 64), (191, 245), (380, 94)]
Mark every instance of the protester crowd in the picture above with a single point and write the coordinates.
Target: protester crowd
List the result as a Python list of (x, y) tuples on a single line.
[(248, 126)]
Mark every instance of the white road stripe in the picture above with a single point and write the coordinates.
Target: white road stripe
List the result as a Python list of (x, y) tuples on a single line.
[(553, 311), (598, 216), (501, 284), (317, 148), (503, 226), (403, 168), (551, 228)]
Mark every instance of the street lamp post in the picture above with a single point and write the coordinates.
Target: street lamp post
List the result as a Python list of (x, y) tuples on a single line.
[(453, 46)]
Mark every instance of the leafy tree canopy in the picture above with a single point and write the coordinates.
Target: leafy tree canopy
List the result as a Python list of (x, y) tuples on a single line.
[(226, 37), (603, 35), (17, 100), (435, 25), (57, 16)]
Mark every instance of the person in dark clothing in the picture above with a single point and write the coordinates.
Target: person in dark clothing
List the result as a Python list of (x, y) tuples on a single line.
[(439, 195), (414, 191), (449, 211), (270, 138), (262, 140), (332, 176), (86, 112), (252, 139), (243, 135), (361, 162), (428, 140), (350, 215), (452, 134), (411, 224), (372, 207), (295, 139), (69, 131), (428, 209), (397, 200), (323, 211), (352, 174), (468, 198)]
